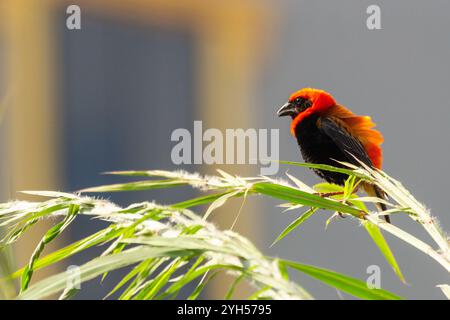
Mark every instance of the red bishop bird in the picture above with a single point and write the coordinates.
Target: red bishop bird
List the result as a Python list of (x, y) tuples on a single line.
[(327, 131)]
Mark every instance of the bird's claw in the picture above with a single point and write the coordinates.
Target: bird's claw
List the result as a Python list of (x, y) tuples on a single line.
[(329, 194)]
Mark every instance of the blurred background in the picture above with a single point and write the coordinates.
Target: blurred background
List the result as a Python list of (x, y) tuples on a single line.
[(76, 103)]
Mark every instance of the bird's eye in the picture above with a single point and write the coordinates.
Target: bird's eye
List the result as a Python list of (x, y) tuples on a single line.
[(302, 104)]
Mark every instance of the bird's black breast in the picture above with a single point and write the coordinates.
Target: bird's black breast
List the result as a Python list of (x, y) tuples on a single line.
[(317, 147)]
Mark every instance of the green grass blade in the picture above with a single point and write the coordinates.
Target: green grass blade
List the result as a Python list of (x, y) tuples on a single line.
[(198, 201), (61, 254), (48, 237), (146, 269), (130, 275), (220, 202), (96, 267), (325, 187), (325, 168), (194, 295), (342, 282), (233, 286), (178, 285), (297, 222), (258, 294), (300, 197), (137, 186), (130, 173), (380, 241), (156, 284)]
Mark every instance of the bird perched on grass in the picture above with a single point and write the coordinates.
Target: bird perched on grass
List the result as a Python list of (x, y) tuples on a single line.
[(328, 132)]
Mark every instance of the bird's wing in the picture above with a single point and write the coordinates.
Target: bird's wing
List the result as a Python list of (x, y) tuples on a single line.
[(344, 140), (361, 127), (350, 145)]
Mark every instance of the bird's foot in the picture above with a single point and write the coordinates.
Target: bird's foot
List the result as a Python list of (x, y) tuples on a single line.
[(329, 194)]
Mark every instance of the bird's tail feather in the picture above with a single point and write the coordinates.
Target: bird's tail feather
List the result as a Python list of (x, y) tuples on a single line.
[(374, 191)]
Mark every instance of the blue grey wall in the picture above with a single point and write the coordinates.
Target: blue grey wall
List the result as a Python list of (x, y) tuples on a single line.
[(124, 88)]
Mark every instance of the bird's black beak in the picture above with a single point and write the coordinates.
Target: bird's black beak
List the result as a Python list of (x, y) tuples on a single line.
[(288, 109)]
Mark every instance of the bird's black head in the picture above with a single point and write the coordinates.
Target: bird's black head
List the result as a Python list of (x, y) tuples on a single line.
[(294, 107)]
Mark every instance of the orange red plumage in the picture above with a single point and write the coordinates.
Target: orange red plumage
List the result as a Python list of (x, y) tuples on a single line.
[(360, 126), (329, 133)]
